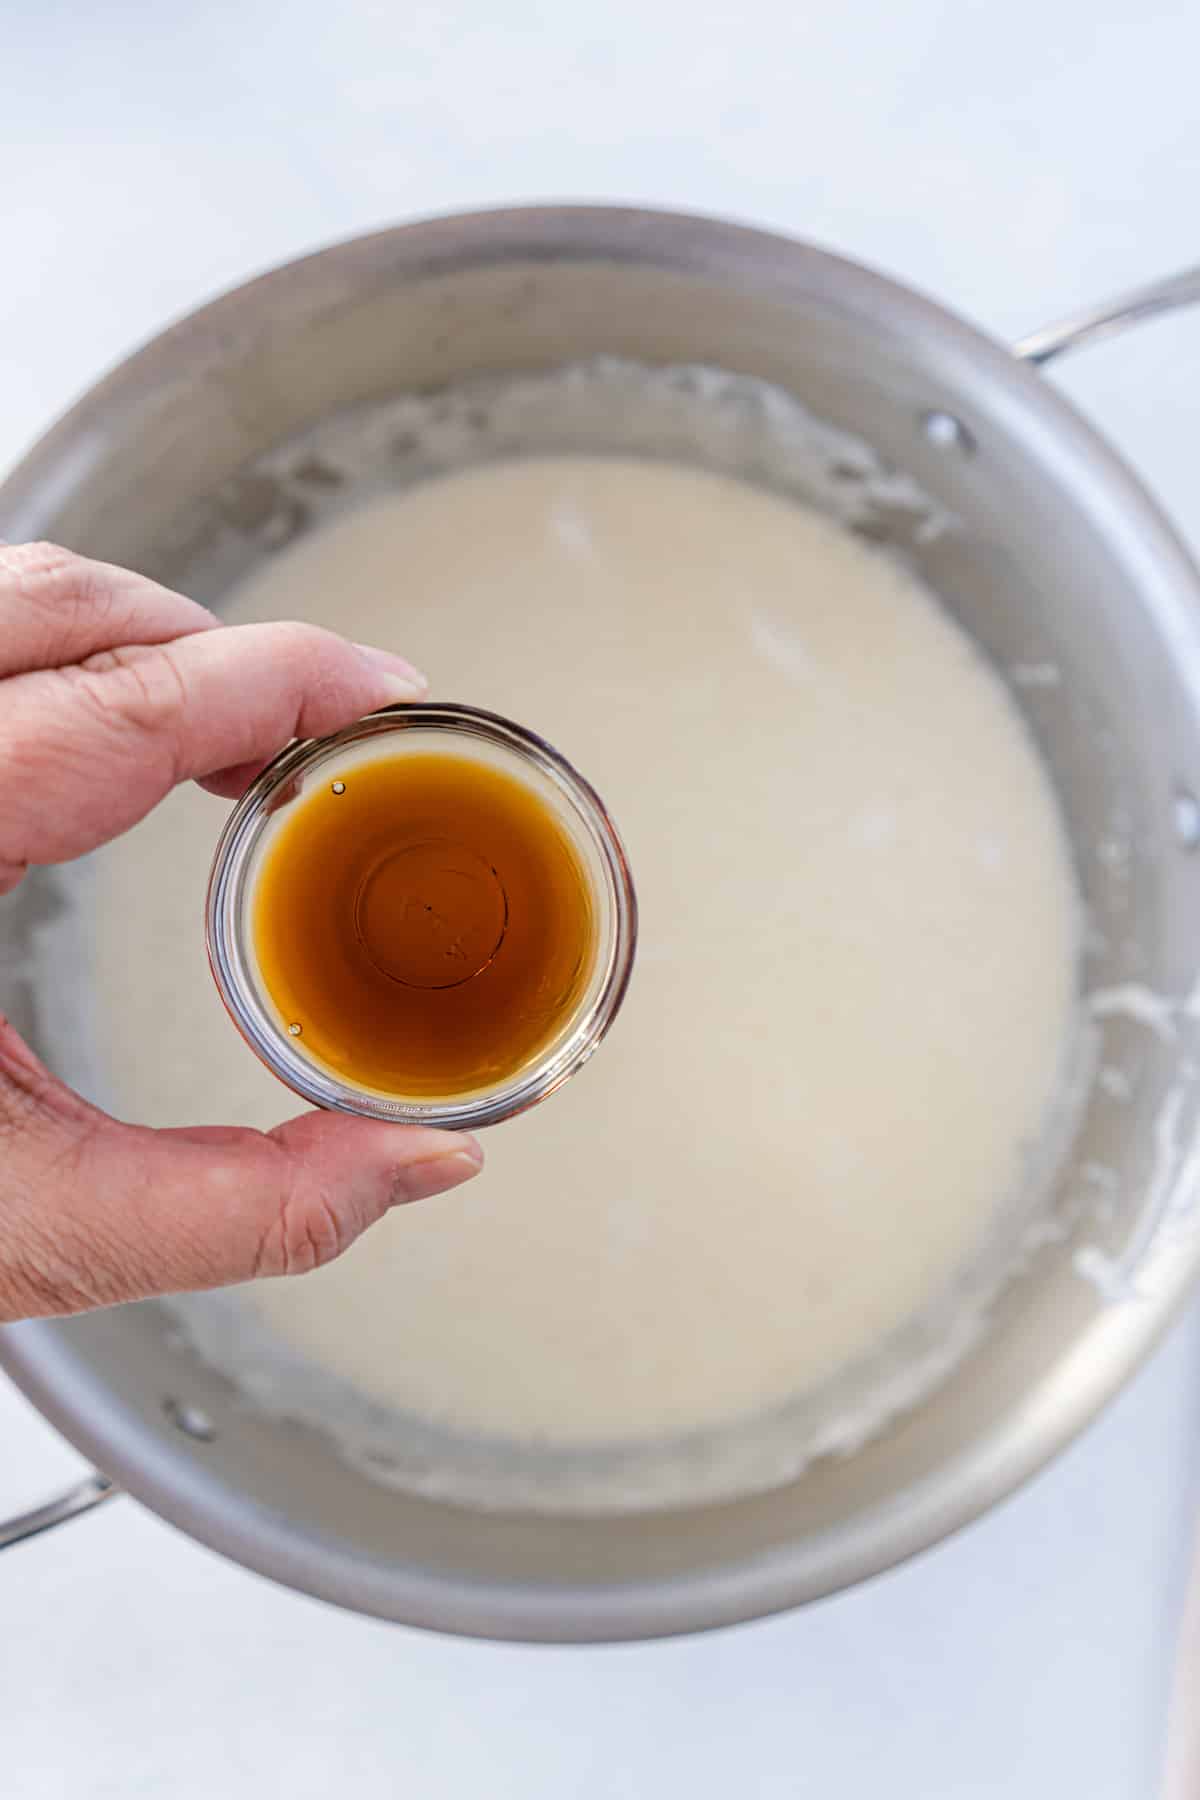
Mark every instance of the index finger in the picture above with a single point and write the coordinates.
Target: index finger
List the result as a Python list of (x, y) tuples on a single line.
[(57, 608), (85, 752)]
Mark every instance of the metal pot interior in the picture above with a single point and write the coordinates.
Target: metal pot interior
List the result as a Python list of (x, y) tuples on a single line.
[(192, 463)]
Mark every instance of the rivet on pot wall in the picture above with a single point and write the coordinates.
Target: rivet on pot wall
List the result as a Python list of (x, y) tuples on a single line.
[(1186, 809), (193, 1421), (946, 432)]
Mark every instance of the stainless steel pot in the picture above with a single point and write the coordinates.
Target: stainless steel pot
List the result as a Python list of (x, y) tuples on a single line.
[(1058, 562)]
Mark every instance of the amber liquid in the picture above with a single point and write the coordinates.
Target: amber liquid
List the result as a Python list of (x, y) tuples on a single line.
[(426, 923)]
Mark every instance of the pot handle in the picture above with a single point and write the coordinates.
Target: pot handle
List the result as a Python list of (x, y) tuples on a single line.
[(1109, 318), (79, 1499)]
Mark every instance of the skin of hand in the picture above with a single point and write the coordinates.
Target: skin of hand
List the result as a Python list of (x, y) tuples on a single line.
[(112, 691)]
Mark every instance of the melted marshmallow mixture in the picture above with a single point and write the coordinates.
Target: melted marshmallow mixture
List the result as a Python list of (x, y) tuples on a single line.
[(855, 984)]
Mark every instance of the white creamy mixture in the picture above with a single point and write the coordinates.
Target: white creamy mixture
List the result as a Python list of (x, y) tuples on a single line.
[(855, 983)]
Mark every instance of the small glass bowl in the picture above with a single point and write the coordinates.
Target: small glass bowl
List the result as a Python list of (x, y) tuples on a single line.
[(462, 730)]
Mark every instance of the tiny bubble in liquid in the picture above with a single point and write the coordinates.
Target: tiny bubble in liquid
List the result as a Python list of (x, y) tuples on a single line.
[(339, 787), (295, 1030)]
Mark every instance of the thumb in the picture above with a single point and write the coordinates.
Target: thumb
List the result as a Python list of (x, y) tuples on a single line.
[(93, 1212)]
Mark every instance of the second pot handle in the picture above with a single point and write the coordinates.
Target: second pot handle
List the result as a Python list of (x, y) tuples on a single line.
[(1129, 308), (80, 1499)]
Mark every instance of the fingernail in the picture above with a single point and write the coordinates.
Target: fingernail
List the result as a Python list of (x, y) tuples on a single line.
[(437, 1174), (403, 681)]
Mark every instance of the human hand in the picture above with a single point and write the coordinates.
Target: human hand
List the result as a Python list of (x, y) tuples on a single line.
[(112, 691)]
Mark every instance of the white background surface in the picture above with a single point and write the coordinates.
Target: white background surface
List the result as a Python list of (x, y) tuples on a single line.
[(1015, 159)]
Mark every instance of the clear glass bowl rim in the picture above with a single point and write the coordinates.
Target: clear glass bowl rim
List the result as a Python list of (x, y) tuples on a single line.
[(267, 1036)]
